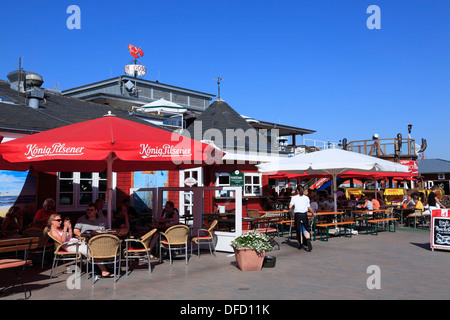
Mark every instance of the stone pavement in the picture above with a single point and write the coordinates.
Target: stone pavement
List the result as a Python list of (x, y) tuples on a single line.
[(337, 269)]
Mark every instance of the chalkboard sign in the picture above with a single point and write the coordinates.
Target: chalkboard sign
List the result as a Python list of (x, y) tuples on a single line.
[(440, 229)]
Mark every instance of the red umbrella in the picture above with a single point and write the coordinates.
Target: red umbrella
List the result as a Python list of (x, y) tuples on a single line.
[(109, 143)]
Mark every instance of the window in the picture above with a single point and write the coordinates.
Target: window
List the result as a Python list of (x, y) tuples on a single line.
[(252, 184), (223, 180), (75, 190)]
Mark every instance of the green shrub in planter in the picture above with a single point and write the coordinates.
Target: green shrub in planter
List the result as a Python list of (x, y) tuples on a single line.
[(252, 240)]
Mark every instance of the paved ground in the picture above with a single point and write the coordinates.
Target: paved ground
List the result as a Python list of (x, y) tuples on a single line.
[(336, 269)]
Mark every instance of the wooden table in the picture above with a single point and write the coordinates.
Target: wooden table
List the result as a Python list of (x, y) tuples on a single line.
[(264, 225), (275, 213), (223, 218)]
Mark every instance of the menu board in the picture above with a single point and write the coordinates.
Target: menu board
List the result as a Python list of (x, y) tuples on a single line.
[(440, 229)]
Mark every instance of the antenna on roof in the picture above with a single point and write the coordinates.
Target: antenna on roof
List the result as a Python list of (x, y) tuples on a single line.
[(218, 86)]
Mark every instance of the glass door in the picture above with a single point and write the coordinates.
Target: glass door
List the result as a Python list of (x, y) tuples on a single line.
[(189, 178)]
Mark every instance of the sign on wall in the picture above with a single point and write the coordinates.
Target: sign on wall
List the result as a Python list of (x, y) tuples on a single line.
[(237, 179)]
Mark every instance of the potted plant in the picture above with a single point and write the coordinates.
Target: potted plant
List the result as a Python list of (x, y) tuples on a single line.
[(250, 249)]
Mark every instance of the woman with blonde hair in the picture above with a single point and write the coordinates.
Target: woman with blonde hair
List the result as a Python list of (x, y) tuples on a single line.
[(65, 235)]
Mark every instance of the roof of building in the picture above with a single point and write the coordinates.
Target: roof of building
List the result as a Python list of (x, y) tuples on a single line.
[(434, 166), (54, 111), (137, 80), (221, 120)]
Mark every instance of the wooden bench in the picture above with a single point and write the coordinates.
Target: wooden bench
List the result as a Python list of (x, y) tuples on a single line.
[(289, 223), (18, 265), (374, 224), (327, 225)]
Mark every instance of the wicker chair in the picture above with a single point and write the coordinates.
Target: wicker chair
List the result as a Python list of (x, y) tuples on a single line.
[(143, 250), (62, 255), (105, 248), (44, 244), (176, 237), (205, 236)]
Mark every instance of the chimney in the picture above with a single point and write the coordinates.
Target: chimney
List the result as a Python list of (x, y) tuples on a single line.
[(29, 83)]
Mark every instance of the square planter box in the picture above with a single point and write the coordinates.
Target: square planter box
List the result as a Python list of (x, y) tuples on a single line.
[(249, 259)]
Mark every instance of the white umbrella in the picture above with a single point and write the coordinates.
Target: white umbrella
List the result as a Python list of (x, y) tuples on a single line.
[(161, 105), (332, 162)]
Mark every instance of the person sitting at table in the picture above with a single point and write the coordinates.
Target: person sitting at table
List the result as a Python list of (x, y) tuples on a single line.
[(41, 217), (99, 203), (90, 221), (328, 203), (418, 205), (368, 205), (12, 225), (408, 202), (376, 203), (313, 203), (169, 215), (65, 234), (120, 219), (135, 221), (352, 202)]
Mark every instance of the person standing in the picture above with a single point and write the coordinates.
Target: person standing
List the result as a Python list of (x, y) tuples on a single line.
[(433, 200), (300, 204)]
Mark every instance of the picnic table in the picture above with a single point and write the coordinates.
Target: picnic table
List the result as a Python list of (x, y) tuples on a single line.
[(329, 222), (373, 217)]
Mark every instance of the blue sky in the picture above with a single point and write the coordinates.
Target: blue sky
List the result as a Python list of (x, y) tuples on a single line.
[(310, 64)]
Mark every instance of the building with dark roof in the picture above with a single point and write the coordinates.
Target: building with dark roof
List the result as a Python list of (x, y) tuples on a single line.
[(436, 172)]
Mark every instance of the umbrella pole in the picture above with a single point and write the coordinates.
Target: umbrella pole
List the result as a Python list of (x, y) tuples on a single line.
[(109, 173), (334, 191)]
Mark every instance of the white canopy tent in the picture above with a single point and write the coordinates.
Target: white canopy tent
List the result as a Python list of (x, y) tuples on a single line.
[(331, 162), (161, 106)]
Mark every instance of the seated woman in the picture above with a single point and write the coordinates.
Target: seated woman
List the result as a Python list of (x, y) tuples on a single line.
[(65, 234), (169, 216), (367, 204), (120, 219), (12, 225)]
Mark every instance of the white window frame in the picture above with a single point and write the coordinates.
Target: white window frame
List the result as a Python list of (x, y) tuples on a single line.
[(76, 178), (223, 193), (183, 194), (252, 184)]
